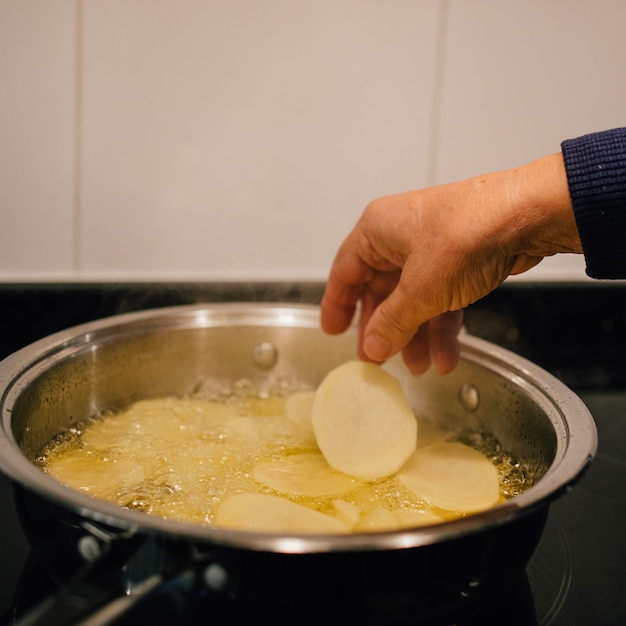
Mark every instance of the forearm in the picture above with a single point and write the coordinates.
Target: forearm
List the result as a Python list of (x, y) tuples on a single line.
[(546, 223)]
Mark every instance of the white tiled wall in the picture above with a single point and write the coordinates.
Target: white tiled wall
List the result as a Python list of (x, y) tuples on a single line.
[(241, 139)]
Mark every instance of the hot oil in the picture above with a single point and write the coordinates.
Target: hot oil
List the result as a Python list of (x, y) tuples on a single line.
[(180, 458)]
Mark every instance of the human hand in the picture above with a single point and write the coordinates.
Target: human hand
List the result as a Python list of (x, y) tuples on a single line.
[(415, 260)]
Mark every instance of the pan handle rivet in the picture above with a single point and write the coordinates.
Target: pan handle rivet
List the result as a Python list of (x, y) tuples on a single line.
[(88, 548), (469, 396), (265, 355), (215, 577)]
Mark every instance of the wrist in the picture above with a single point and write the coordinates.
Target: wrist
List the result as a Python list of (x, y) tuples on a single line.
[(547, 224)]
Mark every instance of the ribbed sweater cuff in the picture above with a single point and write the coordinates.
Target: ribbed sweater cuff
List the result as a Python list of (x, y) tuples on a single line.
[(596, 174)]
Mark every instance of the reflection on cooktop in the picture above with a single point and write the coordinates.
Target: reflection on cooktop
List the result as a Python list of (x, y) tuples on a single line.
[(578, 572), (551, 572)]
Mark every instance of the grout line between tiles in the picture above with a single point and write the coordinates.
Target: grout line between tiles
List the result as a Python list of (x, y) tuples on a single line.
[(77, 199)]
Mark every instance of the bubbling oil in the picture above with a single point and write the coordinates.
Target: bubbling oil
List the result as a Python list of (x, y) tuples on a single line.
[(180, 458)]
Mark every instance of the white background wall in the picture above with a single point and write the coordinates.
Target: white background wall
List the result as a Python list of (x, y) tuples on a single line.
[(241, 139)]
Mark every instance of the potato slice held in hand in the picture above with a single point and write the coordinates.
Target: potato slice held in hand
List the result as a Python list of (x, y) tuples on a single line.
[(452, 476), (363, 422), (265, 513)]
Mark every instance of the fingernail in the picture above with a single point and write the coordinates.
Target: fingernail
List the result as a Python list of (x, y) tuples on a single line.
[(376, 348)]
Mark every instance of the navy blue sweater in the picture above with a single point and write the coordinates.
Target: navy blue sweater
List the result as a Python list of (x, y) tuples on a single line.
[(596, 174)]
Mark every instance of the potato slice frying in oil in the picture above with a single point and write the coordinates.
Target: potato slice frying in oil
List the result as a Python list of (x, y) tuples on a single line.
[(266, 513), (363, 422), (298, 408), (307, 474), (95, 476), (452, 476)]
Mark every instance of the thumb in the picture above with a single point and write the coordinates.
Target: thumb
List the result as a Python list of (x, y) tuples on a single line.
[(392, 325)]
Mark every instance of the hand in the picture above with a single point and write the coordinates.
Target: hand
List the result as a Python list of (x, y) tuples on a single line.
[(415, 260)]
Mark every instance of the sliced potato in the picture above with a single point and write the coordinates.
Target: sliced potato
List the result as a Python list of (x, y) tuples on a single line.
[(347, 512), (409, 518), (377, 519), (363, 423), (257, 406), (165, 421), (307, 474), (264, 429), (298, 408), (266, 513), (93, 475), (452, 476)]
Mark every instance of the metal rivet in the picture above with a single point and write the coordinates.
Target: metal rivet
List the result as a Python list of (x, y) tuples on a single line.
[(265, 355), (88, 548), (215, 577), (469, 396)]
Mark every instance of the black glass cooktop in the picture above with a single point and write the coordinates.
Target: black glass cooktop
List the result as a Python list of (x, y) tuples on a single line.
[(577, 574)]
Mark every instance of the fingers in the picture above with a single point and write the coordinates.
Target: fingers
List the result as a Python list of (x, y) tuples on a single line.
[(395, 321), (415, 260), (354, 280), (422, 343), (416, 353), (401, 280), (340, 300), (435, 342), (335, 318), (443, 335), (392, 315), (369, 303)]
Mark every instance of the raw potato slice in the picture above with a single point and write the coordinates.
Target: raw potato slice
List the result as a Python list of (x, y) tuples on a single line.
[(363, 423), (452, 476), (306, 474), (265, 513)]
